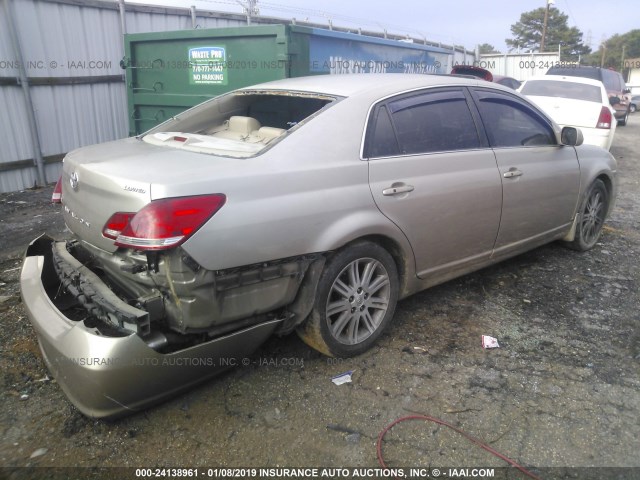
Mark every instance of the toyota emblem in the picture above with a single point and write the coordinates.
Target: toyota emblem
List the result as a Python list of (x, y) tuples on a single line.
[(73, 180)]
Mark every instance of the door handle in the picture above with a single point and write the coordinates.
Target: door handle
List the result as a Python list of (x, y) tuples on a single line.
[(513, 172), (397, 188)]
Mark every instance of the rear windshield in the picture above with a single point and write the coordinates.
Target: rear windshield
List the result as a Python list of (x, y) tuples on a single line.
[(553, 88), (239, 124)]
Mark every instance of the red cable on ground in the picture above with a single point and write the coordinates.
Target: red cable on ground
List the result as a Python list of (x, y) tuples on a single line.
[(456, 429)]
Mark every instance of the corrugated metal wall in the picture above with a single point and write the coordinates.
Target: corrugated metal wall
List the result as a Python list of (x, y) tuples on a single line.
[(58, 41), (71, 51), (519, 66), (461, 57)]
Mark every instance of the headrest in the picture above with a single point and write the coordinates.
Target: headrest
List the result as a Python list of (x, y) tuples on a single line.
[(269, 133), (244, 125)]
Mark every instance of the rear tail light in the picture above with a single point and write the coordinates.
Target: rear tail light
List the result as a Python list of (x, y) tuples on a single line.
[(605, 118), (162, 224), (56, 197), (116, 224)]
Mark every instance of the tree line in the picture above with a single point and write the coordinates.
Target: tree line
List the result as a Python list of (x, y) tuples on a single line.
[(560, 37)]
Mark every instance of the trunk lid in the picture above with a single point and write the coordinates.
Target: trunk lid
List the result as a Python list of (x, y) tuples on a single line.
[(122, 176)]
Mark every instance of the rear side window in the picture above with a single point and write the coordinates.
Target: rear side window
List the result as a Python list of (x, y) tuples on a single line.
[(510, 122), (433, 122), (383, 141), (555, 88)]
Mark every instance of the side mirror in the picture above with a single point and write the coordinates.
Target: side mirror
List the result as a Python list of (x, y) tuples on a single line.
[(571, 136), (614, 100)]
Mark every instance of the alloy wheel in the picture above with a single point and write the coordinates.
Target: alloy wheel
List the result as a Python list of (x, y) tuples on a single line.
[(358, 300)]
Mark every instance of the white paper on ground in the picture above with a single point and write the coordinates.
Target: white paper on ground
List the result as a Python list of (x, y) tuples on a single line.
[(342, 378), (489, 342)]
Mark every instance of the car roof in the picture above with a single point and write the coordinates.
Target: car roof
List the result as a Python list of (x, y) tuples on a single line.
[(569, 79), (347, 85), (502, 77), (587, 71), (577, 70)]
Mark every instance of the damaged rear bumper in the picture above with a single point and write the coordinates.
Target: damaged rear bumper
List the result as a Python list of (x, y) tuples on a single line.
[(108, 376)]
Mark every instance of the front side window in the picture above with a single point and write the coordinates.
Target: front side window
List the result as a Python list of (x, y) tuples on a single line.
[(509, 122)]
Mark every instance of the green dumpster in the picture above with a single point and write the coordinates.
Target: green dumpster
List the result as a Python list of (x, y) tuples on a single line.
[(168, 72)]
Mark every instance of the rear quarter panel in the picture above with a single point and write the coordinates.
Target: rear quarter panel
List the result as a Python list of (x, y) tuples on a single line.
[(309, 193)]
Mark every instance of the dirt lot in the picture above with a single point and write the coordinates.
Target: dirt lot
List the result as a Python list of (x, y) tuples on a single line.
[(561, 395)]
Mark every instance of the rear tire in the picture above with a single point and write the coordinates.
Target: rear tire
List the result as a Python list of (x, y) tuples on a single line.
[(632, 108), (623, 122), (355, 301), (591, 215)]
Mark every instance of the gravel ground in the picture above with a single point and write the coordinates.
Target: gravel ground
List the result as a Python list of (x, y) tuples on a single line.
[(560, 396)]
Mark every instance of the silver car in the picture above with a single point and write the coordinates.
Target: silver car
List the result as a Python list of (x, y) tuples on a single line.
[(310, 205)]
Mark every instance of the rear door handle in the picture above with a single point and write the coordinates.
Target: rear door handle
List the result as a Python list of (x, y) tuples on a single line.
[(513, 172), (396, 189)]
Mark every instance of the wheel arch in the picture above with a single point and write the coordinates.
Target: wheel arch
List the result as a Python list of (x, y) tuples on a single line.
[(401, 258), (609, 185), (596, 165), (372, 226), (353, 334)]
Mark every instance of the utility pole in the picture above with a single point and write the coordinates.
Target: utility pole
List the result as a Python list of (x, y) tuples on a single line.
[(603, 47), (544, 26), (250, 8)]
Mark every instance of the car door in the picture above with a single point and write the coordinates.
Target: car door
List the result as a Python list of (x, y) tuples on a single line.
[(540, 178), (432, 175)]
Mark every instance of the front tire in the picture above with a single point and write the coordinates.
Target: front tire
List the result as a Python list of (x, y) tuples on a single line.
[(591, 215), (356, 299)]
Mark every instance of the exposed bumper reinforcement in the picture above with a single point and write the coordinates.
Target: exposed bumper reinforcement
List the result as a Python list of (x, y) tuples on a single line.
[(112, 376), (98, 299)]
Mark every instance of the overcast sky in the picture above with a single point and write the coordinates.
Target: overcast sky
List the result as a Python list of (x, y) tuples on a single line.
[(463, 22)]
